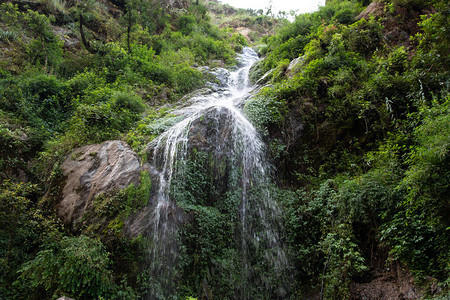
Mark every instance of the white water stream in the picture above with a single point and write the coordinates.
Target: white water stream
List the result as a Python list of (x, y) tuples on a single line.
[(171, 148)]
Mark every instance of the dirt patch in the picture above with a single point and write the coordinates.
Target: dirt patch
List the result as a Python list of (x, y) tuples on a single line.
[(245, 32), (397, 283)]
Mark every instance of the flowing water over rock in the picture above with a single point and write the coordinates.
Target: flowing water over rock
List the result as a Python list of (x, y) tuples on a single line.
[(212, 212)]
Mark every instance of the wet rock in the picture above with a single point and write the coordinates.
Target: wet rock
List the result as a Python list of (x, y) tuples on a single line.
[(222, 75), (293, 67), (92, 170), (213, 134), (265, 78)]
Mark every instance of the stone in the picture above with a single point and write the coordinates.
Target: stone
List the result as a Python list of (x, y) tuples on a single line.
[(265, 78), (92, 170), (375, 9), (293, 66)]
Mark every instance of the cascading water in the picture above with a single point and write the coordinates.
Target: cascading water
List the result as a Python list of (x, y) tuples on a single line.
[(236, 187)]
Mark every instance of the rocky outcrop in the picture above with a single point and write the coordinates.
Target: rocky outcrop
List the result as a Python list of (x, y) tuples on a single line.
[(375, 9), (92, 170), (400, 22), (293, 67), (396, 284)]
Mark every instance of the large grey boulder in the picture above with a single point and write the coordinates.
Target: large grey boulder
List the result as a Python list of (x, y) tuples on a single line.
[(92, 170)]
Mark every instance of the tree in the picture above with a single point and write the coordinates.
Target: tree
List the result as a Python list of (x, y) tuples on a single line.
[(84, 6)]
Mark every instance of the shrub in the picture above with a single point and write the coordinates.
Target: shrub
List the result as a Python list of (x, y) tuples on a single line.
[(417, 232), (186, 24), (130, 102), (72, 65), (341, 11), (22, 229), (7, 36), (265, 111), (45, 101), (77, 267), (363, 36), (343, 261), (188, 79), (97, 123), (303, 25), (46, 49)]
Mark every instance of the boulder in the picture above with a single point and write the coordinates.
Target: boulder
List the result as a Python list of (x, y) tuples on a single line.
[(92, 170)]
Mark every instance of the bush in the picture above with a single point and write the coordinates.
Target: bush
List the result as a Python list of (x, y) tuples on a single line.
[(77, 267), (129, 102), (417, 232), (341, 11), (343, 261), (188, 79), (7, 36), (22, 230), (265, 111), (364, 36), (39, 99), (46, 49), (186, 24)]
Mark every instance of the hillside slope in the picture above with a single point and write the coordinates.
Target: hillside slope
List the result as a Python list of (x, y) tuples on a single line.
[(352, 112), (356, 115)]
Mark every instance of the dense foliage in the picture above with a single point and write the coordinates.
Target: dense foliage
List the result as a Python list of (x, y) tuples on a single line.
[(358, 129), (371, 160), (73, 74)]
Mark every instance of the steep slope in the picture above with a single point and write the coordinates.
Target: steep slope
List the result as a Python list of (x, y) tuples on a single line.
[(75, 74), (348, 113), (133, 167), (253, 24)]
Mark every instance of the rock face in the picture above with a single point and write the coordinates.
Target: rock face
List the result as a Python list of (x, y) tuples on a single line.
[(396, 284), (213, 134), (95, 169), (375, 9), (293, 66), (398, 26)]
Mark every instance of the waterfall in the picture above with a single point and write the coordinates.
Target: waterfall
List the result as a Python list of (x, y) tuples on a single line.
[(216, 134)]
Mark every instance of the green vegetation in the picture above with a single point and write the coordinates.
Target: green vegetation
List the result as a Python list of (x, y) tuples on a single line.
[(73, 74), (370, 163), (359, 131), (254, 24)]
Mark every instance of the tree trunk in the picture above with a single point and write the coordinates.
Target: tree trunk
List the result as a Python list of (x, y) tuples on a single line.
[(44, 50), (129, 31), (83, 37)]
